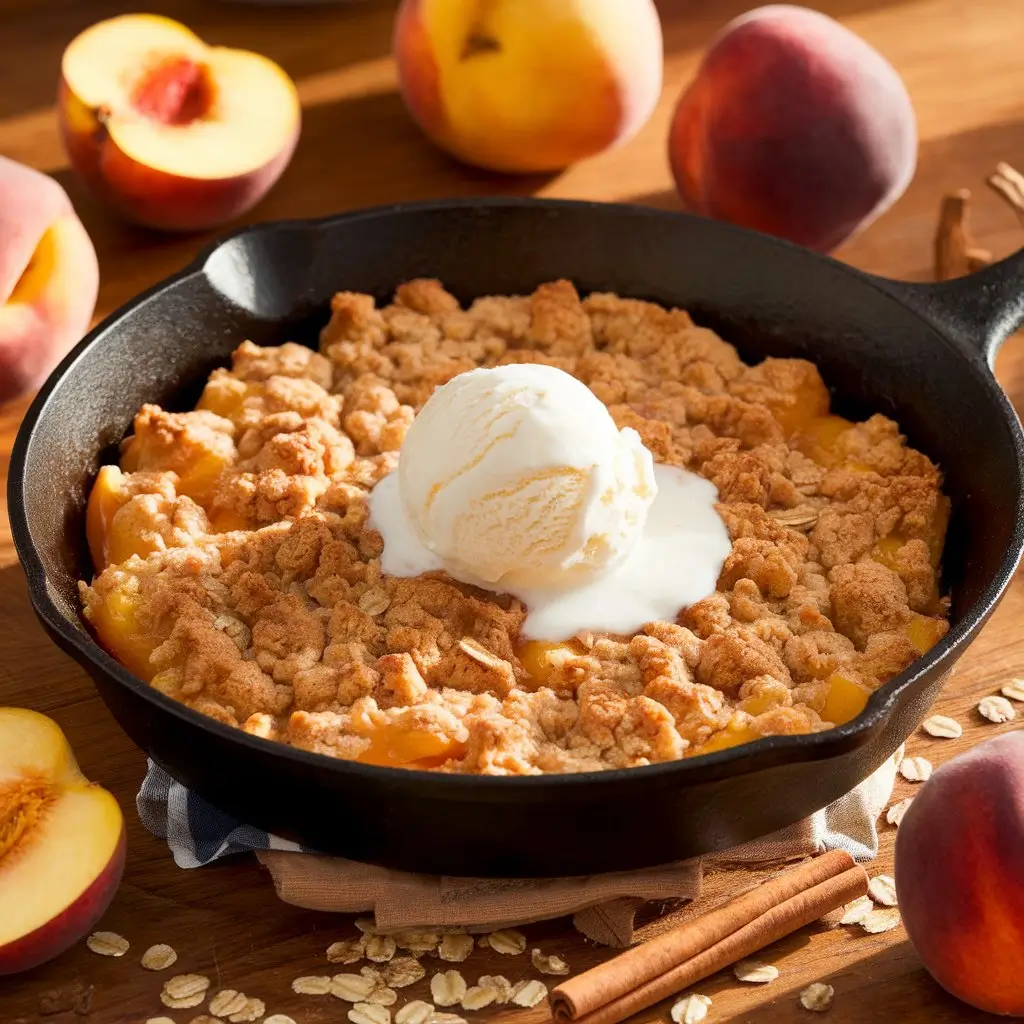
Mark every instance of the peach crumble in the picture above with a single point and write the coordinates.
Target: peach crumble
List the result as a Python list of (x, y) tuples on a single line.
[(237, 572)]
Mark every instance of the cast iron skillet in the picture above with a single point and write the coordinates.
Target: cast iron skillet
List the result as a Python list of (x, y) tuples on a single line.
[(917, 353)]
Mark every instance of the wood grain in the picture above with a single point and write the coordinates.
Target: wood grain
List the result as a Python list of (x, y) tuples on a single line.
[(961, 60)]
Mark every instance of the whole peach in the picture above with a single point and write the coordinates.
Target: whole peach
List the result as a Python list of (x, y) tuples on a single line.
[(959, 880), (794, 126), (48, 277), (528, 85)]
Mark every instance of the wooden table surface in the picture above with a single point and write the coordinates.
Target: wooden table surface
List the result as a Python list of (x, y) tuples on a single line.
[(961, 60)]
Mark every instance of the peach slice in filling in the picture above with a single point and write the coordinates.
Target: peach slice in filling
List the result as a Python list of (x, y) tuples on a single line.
[(393, 746)]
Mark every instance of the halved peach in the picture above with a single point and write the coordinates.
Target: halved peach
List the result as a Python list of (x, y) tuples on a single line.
[(173, 133), (62, 843)]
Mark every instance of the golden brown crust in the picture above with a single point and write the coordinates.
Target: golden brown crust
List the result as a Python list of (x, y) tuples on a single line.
[(265, 607)]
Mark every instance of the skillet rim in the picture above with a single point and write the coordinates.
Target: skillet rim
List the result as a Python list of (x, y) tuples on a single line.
[(750, 758)]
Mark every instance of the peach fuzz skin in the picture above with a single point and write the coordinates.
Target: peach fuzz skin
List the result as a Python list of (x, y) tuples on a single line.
[(62, 843), (525, 86), (795, 127), (49, 277), (122, 141), (958, 875)]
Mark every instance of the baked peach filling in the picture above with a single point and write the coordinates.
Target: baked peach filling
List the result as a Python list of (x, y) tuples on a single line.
[(813, 612)]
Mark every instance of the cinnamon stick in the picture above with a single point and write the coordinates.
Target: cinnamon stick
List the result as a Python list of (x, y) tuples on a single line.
[(646, 974), (955, 251), (1009, 183)]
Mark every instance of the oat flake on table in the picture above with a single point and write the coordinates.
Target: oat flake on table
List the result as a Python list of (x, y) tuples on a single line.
[(278, 1018), (353, 988), (383, 996), (882, 889), (506, 941), (855, 912), (415, 1012), (159, 957), (447, 988), (107, 944), (349, 951), (548, 964), (996, 709), (228, 1001), (499, 984), (817, 997), (916, 769), (894, 815), (455, 947), (380, 948), (368, 1013), (437, 1017), (755, 972), (943, 727), (691, 1009), (477, 997), (879, 921), (403, 971), (529, 993), (312, 985), (1014, 690), (252, 1011)]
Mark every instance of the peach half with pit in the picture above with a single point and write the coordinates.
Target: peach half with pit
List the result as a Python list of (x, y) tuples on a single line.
[(170, 132)]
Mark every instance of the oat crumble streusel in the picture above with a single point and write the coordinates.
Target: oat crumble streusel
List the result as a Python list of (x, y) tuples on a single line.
[(243, 580)]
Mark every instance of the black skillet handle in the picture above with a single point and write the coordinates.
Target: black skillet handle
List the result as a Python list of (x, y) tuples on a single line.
[(982, 309)]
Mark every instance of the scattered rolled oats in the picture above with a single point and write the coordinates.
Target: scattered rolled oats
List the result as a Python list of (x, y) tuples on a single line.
[(548, 964), (415, 1012), (159, 1020), (373, 602), (477, 997), (353, 988), (855, 912), (253, 1010), (529, 993), (507, 941), (881, 921), (445, 1018), (158, 958), (882, 889), (367, 925), (418, 940), (403, 971), (279, 1018), (380, 948), (369, 1013), (895, 813), (455, 947), (447, 988), (107, 943), (348, 951), (691, 1009), (312, 985), (755, 972), (943, 727), (996, 709), (372, 974), (1014, 689), (228, 1001), (204, 1018), (499, 984), (916, 769), (383, 996), (817, 997)]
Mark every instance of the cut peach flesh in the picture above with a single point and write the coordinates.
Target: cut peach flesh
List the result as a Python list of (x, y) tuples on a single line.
[(109, 542), (119, 65), (731, 736), (58, 832), (224, 520), (408, 748), (197, 476), (227, 397), (846, 699), (818, 438), (117, 625), (924, 633), (809, 402)]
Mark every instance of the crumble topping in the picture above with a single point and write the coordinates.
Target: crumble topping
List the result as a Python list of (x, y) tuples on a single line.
[(250, 586)]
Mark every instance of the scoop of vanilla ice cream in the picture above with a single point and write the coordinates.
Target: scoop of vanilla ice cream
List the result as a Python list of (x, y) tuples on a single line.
[(517, 477)]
